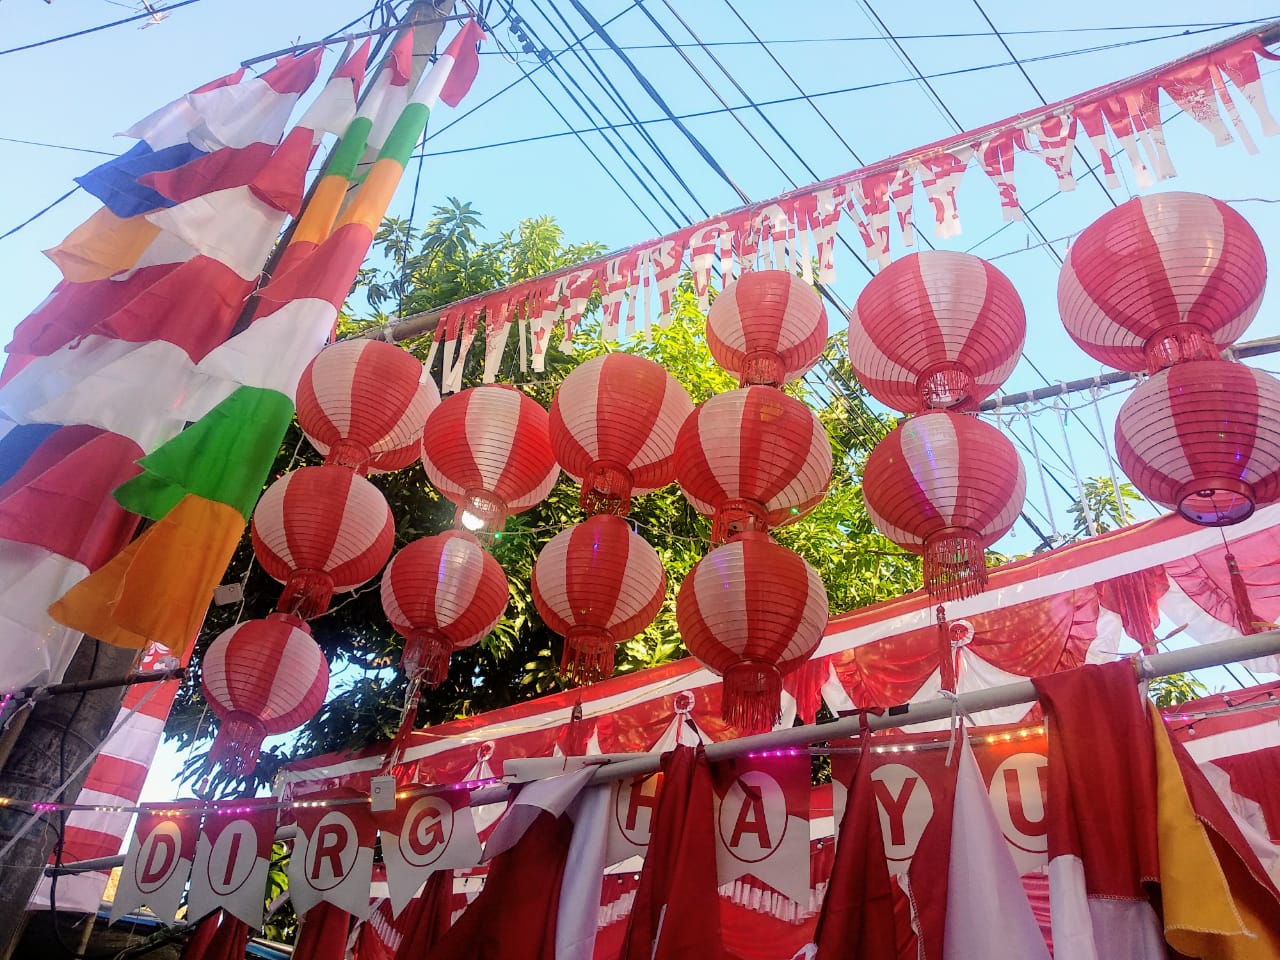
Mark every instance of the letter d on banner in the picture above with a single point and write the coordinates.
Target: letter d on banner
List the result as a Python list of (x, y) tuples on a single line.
[(159, 860), (333, 854), (232, 857)]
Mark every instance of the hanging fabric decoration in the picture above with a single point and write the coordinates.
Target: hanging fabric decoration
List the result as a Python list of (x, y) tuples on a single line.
[(320, 531), (261, 678), (1161, 279), (597, 584), (768, 327), (752, 611), (488, 451), (752, 459), (936, 330), (442, 593), (613, 426), (1203, 438), (947, 486), (363, 404)]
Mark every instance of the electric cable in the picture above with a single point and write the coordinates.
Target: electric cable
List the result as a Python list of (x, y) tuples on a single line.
[(103, 26)]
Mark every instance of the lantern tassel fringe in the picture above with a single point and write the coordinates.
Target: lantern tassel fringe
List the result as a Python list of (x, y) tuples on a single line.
[(955, 565), (426, 657), (1245, 617), (751, 696), (306, 594), (238, 743), (588, 655)]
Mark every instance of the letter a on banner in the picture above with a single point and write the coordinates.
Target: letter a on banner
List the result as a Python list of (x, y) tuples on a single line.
[(762, 822), (333, 855), (425, 834), (232, 857), (159, 860)]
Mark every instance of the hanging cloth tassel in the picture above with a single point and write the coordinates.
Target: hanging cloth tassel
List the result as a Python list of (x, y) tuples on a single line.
[(955, 565), (1245, 617), (752, 696), (588, 654)]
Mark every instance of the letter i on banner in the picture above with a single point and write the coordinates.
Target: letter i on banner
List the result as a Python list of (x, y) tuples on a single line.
[(159, 860), (333, 854), (232, 858), (762, 822), (425, 834)]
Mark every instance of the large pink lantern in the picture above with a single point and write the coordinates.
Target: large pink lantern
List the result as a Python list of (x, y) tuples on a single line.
[(753, 459), (597, 584), (936, 330), (613, 426), (768, 326), (1163, 278), (945, 485), (260, 678), (487, 450), (752, 611), (1203, 438)]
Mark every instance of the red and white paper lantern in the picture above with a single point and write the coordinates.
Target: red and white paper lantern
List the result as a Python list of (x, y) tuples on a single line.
[(442, 593), (768, 327), (363, 403), (597, 584), (488, 451), (261, 678), (936, 330), (320, 531), (1203, 438), (753, 459), (752, 611), (613, 426), (947, 486), (1159, 279)]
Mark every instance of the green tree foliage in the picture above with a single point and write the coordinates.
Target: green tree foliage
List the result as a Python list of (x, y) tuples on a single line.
[(1174, 689), (1107, 504), (519, 660)]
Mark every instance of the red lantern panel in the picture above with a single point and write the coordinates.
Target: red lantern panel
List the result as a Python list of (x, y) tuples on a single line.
[(321, 530), (754, 459), (1169, 277), (945, 485), (442, 594), (488, 451), (597, 584), (261, 677), (1203, 438), (768, 326), (936, 330), (362, 402), (752, 611), (613, 427)]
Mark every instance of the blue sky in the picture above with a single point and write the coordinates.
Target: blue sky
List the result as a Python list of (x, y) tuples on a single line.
[(77, 93)]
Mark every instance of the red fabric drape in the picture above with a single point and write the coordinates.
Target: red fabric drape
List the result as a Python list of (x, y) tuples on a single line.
[(219, 936), (324, 932), (427, 918)]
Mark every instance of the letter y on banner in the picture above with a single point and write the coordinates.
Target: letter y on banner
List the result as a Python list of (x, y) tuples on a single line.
[(333, 855), (159, 860), (232, 857), (425, 834)]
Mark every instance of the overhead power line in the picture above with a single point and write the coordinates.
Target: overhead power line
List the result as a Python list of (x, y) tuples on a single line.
[(145, 15)]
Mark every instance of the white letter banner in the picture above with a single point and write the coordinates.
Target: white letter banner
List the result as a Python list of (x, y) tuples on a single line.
[(632, 807), (232, 857), (333, 854), (762, 822), (159, 860), (424, 834)]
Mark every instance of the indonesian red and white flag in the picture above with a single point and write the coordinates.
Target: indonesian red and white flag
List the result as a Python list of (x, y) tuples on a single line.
[(252, 110), (388, 95), (335, 107), (1102, 815)]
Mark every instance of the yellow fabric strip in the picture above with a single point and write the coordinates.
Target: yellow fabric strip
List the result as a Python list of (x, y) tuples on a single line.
[(1205, 914), (321, 211), (102, 246), (159, 587), (370, 204)]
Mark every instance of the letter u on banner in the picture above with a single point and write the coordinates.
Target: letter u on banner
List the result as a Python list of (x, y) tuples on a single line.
[(425, 834), (232, 857), (159, 860), (333, 855)]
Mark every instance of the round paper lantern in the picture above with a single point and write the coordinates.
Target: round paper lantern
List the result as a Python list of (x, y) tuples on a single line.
[(613, 426), (936, 330), (1169, 277), (1203, 438), (597, 584), (363, 403), (442, 594), (488, 451), (320, 531), (260, 678), (753, 459), (768, 327), (945, 485), (752, 611)]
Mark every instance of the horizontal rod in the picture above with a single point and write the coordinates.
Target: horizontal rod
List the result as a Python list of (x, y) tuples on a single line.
[(38, 692), (110, 863)]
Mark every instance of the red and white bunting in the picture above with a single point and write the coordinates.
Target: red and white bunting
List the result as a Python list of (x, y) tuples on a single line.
[(159, 861), (423, 835), (332, 857), (233, 854)]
